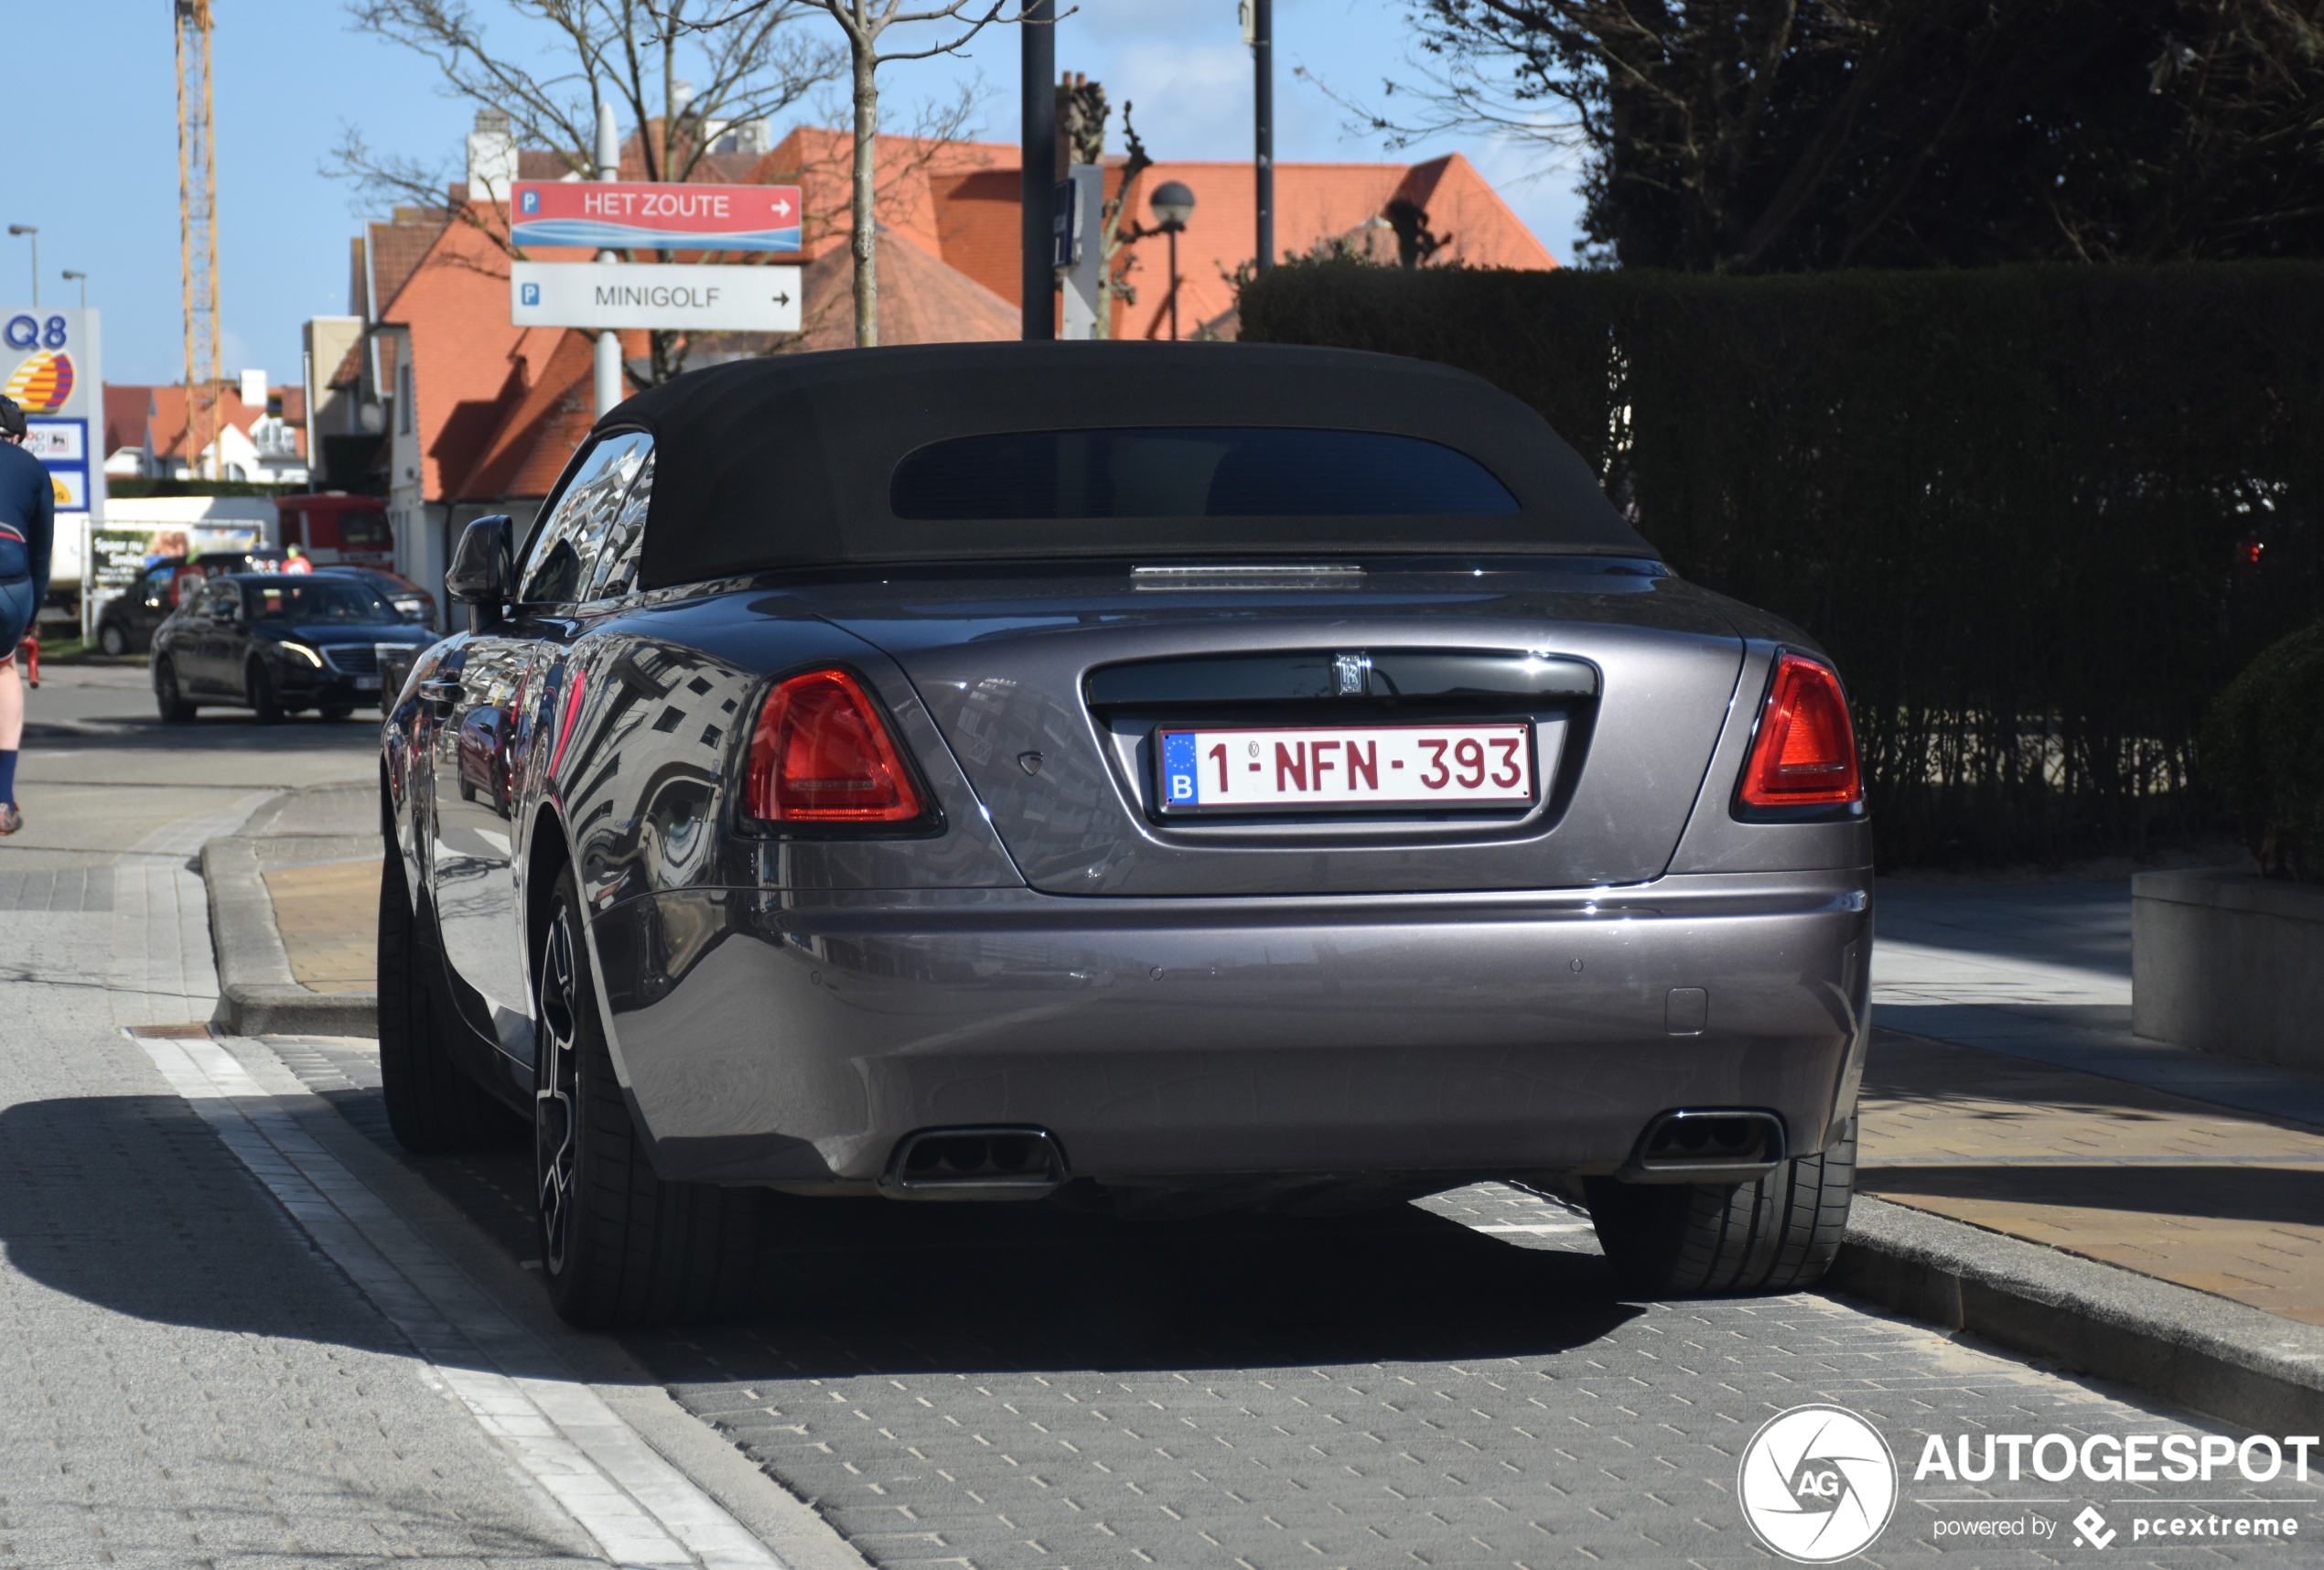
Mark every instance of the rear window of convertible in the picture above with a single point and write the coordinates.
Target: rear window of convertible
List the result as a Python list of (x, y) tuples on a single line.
[(1192, 472)]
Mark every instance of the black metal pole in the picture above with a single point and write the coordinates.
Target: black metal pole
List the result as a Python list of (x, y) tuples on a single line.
[(1262, 96), (1038, 54), (1174, 283)]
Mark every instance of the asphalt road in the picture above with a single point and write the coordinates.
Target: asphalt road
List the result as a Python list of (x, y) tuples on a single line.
[(187, 1377)]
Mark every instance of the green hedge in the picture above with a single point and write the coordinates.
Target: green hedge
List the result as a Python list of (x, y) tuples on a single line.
[(2265, 746), (2019, 504)]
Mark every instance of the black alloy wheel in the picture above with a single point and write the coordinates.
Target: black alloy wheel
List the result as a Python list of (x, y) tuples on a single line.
[(619, 1246), (265, 698), (168, 699)]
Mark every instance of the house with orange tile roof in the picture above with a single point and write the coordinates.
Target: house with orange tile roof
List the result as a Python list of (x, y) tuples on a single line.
[(261, 435)]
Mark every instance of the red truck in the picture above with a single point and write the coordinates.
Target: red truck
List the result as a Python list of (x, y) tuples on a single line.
[(332, 527)]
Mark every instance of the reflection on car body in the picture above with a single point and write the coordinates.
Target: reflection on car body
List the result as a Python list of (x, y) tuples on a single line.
[(803, 820)]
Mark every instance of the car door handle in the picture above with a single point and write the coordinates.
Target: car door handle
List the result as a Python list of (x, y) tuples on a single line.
[(444, 694)]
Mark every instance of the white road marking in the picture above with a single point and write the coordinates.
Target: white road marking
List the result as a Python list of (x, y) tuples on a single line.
[(1558, 1227), (641, 1510)]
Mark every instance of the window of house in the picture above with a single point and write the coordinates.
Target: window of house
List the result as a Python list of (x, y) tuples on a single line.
[(561, 559)]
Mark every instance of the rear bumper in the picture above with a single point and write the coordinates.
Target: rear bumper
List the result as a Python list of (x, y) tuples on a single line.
[(769, 1036)]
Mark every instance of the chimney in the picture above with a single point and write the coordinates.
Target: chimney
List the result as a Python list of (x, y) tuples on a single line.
[(681, 95), (491, 157), (359, 280), (255, 390)]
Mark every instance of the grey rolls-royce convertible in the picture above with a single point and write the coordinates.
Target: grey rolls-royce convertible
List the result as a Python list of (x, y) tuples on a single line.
[(1148, 778)]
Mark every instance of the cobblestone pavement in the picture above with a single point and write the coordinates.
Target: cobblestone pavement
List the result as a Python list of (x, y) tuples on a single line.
[(1455, 1383)]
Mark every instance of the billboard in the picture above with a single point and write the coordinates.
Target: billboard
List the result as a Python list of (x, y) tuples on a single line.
[(620, 215), (49, 365)]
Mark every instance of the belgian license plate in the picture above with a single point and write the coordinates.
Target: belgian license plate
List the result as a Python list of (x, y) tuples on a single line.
[(1334, 767), (367, 684)]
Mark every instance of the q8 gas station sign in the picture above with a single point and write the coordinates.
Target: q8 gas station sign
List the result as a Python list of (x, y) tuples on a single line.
[(49, 365)]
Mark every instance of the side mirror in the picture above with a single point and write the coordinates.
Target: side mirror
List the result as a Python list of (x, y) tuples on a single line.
[(483, 569)]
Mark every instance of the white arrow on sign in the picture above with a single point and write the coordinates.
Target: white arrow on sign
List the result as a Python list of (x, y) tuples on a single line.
[(664, 296), (783, 207)]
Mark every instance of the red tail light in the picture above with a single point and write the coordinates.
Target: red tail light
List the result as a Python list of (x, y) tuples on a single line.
[(1805, 753), (821, 756)]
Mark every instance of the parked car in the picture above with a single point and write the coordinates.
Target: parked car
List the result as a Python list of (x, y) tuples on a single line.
[(414, 602), (1151, 777), (126, 623), (277, 643)]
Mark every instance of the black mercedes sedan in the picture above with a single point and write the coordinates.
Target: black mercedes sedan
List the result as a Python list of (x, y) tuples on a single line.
[(1144, 777), (278, 643)]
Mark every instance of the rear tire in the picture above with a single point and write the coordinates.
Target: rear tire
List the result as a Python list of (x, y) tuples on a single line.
[(112, 639), (1706, 1240), (619, 1246), (432, 1103), (258, 687), (168, 698)]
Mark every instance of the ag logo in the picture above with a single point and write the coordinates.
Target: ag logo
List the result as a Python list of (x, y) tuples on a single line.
[(1817, 1484)]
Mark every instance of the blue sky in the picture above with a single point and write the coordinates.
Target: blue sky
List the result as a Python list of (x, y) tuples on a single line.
[(94, 164)]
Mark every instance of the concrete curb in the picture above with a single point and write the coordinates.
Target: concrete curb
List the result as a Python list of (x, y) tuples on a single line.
[(2217, 1357), (257, 994)]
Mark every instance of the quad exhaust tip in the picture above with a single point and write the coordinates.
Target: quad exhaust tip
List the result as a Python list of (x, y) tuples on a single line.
[(1717, 1144), (1020, 1162)]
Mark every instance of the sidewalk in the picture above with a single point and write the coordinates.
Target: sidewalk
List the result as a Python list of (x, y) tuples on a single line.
[(2005, 1090), (293, 901)]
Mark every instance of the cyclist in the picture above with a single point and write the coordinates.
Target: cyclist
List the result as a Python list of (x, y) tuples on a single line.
[(27, 528)]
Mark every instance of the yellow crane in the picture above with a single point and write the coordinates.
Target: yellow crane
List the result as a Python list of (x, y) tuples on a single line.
[(198, 232)]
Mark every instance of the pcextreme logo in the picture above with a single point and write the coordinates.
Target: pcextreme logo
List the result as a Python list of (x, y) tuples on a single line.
[(1817, 1484)]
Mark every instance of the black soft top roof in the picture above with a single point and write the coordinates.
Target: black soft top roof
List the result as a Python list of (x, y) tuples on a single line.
[(786, 461)]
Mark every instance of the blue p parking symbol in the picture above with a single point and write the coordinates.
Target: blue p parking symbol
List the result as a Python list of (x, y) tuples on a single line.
[(532, 293)]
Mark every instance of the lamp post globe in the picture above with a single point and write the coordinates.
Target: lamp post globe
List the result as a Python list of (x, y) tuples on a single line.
[(1173, 204)]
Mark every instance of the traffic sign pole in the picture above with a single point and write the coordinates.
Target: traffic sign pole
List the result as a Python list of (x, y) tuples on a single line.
[(609, 341)]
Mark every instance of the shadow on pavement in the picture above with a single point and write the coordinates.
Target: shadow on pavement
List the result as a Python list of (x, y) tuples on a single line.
[(132, 1203), (209, 733), (2193, 1191)]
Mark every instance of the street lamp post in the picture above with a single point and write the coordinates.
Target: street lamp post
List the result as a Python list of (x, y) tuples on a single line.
[(1263, 104), (34, 231), (1173, 204), (82, 279)]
